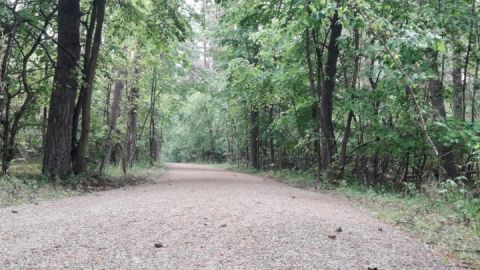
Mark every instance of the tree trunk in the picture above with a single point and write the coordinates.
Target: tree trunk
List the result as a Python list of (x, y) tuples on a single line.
[(112, 118), (58, 146), (271, 138), (254, 132), (476, 88), (328, 142), (457, 85), (153, 113), (79, 156), (346, 135), (131, 136), (315, 89), (435, 88)]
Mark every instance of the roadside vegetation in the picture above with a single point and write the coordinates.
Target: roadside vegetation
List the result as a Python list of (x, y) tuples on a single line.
[(25, 183)]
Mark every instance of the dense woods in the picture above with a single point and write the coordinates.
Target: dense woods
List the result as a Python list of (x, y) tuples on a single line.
[(382, 93), (74, 79)]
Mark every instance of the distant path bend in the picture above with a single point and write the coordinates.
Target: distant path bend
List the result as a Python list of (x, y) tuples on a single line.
[(205, 218)]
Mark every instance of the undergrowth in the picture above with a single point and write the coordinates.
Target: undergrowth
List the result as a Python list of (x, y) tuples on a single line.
[(25, 184)]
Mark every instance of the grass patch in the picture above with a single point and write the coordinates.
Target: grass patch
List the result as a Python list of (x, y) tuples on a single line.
[(439, 221), (444, 216), (25, 184)]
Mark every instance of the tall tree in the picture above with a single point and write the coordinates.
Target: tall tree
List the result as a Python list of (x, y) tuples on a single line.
[(333, 53), (57, 155), (84, 103)]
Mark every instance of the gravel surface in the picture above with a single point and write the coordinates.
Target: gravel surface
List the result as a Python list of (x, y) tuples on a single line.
[(198, 217)]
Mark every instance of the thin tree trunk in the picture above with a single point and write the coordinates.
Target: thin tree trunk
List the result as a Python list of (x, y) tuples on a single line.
[(346, 135), (271, 138), (435, 88), (112, 118), (316, 92), (476, 87), (79, 156), (328, 142), (254, 132), (457, 85), (153, 131), (131, 136)]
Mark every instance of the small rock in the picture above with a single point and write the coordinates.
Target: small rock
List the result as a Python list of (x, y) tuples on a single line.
[(380, 229), (158, 245), (372, 268), (339, 229), (331, 236), (293, 197), (15, 211), (223, 225)]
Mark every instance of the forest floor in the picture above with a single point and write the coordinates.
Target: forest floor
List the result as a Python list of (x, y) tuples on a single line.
[(200, 217), (25, 183)]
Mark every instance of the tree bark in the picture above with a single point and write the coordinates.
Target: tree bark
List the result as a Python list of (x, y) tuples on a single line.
[(328, 142), (79, 155), (435, 88), (58, 146), (315, 88), (254, 132), (346, 134), (476, 88), (271, 138), (153, 113), (131, 136), (113, 115), (457, 85)]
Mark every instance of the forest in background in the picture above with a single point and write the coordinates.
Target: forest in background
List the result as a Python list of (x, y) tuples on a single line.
[(381, 93)]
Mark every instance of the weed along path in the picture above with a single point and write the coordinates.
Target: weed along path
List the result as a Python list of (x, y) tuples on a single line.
[(198, 217)]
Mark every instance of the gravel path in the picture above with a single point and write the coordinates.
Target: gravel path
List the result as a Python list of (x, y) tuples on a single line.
[(205, 218)]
